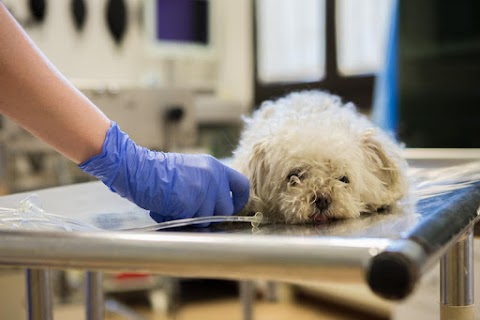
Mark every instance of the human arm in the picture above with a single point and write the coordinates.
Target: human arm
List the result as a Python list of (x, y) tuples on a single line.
[(34, 94)]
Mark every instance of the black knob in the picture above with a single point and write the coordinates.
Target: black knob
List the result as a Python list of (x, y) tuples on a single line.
[(117, 19), (174, 113), (38, 9), (79, 12)]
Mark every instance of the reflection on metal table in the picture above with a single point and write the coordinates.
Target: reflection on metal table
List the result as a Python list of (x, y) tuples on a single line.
[(390, 251)]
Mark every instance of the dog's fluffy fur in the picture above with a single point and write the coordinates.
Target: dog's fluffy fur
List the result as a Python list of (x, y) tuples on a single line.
[(311, 158)]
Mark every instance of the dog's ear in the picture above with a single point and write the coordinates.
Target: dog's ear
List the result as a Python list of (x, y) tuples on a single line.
[(258, 169), (383, 166)]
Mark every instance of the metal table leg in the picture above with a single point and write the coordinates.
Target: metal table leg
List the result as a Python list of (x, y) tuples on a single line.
[(456, 280), (39, 297), (94, 296), (272, 291), (247, 298)]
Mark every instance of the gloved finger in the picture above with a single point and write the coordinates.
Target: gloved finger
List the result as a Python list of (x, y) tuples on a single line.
[(207, 209), (240, 187), (224, 204), (158, 217)]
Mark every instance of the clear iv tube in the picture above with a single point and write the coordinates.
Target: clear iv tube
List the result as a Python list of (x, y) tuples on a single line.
[(255, 220), (29, 212), (49, 219)]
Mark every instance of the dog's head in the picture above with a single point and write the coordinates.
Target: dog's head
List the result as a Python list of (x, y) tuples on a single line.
[(298, 178)]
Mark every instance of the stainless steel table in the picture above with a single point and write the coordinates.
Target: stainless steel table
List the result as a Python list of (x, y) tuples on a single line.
[(390, 252)]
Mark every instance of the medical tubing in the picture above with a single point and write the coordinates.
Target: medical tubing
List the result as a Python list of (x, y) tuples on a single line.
[(37, 218), (255, 220), (28, 211), (74, 225)]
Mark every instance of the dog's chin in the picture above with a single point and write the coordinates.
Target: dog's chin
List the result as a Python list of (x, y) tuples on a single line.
[(309, 214), (311, 217), (306, 213), (320, 218)]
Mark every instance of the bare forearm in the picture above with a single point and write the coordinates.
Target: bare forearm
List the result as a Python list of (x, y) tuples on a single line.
[(35, 95)]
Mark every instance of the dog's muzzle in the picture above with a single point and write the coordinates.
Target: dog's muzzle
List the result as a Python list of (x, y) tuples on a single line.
[(322, 203)]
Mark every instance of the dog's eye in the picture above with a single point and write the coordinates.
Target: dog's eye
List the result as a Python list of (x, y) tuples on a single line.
[(295, 176), (344, 179), (291, 175)]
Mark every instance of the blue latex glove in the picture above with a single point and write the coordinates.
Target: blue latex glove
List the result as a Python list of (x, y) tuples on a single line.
[(170, 185)]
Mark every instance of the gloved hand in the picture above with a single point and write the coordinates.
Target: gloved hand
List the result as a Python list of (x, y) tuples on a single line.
[(170, 185)]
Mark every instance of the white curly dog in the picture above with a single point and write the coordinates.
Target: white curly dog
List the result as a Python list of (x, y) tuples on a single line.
[(311, 158)]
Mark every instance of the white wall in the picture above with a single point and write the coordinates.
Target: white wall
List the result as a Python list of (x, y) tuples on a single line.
[(235, 30), (91, 56)]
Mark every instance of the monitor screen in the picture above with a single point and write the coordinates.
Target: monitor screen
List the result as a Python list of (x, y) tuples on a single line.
[(180, 28), (182, 21)]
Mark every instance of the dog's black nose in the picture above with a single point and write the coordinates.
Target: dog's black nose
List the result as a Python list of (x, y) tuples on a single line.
[(322, 202)]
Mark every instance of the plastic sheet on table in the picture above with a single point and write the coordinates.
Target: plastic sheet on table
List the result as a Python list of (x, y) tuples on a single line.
[(426, 182), (430, 182), (30, 216)]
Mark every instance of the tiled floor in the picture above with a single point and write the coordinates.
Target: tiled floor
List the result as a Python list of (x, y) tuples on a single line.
[(231, 309), (215, 301), (291, 304)]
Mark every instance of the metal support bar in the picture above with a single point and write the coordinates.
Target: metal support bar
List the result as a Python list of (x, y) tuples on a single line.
[(94, 296), (456, 280), (247, 297), (39, 294), (272, 291)]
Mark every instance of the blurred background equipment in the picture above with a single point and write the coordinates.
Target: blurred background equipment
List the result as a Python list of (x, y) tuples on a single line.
[(439, 64), (427, 94), (160, 119)]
